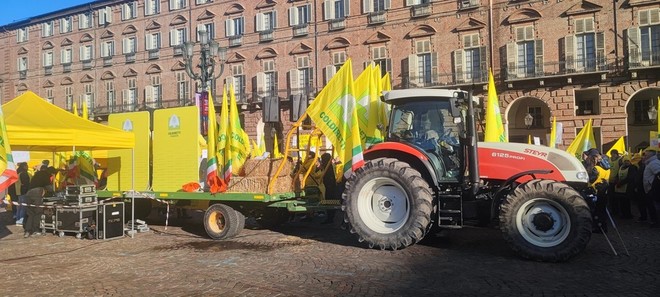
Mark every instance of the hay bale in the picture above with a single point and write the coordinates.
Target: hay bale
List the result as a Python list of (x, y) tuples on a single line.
[(259, 184), (266, 167)]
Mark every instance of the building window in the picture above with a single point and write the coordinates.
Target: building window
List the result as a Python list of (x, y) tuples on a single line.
[(107, 49), (641, 108), (22, 64), (585, 50), (380, 58), (129, 11), (182, 87), (336, 9), (198, 2), (178, 4), (376, 5), (86, 53), (22, 35), (305, 74), (644, 41), (266, 21), (68, 98), (49, 95), (525, 56), (151, 7), (300, 15), (66, 24), (238, 80), (270, 75), (47, 29), (85, 20), (587, 102), (209, 28), (153, 93), (129, 47), (110, 95), (88, 96), (153, 44), (177, 37), (424, 62), (105, 16), (234, 27), (130, 95), (48, 59), (470, 63)]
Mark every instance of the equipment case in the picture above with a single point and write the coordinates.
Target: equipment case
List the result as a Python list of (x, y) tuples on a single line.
[(110, 221), (77, 220)]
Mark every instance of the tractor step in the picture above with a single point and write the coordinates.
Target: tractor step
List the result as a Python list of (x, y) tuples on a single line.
[(451, 211)]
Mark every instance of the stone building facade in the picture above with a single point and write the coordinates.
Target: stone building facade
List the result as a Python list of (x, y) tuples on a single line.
[(573, 60)]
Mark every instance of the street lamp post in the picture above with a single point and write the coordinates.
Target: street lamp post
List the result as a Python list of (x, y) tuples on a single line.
[(653, 114), (209, 50)]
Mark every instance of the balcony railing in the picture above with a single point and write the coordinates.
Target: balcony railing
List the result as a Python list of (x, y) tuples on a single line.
[(22, 74), (154, 54), (130, 58), (107, 61), (560, 68), (337, 24), (420, 10), (66, 67), (447, 79), (178, 50), (300, 30), (48, 70), (266, 36), (235, 40), (87, 64), (377, 17), (645, 61)]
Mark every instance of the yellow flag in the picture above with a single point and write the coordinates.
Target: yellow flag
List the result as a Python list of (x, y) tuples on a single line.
[(8, 173), (584, 141), (75, 108), (239, 143), (84, 114), (494, 127), (386, 82), (262, 145), (213, 180), (334, 112), (529, 139), (224, 151), (619, 145), (553, 133), (276, 148), (367, 88)]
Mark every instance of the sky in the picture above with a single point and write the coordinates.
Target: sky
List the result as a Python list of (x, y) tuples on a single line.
[(16, 10)]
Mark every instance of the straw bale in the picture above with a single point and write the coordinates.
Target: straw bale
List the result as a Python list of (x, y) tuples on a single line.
[(267, 167), (259, 184)]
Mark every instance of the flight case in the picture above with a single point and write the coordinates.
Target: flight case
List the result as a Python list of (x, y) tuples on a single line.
[(76, 220), (110, 221)]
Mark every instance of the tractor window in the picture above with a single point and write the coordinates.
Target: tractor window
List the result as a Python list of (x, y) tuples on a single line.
[(423, 120)]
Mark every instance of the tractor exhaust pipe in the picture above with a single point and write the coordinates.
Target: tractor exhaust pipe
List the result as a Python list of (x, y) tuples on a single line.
[(472, 137)]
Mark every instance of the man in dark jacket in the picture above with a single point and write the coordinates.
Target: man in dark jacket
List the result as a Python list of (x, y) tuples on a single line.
[(35, 198), (44, 179)]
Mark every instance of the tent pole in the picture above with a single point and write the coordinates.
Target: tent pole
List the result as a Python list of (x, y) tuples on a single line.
[(133, 192)]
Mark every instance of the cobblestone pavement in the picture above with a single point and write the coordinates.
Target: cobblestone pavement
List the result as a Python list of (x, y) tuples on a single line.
[(315, 260)]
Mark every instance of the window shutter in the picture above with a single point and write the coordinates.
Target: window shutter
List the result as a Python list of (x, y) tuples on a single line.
[(388, 66), (589, 25), (124, 8), (347, 8), (654, 16), (328, 10), (101, 13), (149, 93), (388, 4), (520, 33), (104, 50), (81, 21), (148, 7), (199, 28), (294, 82), (600, 50), (459, 70), (274, 19), (293, 16), (483, 63), (184, 35), (173, 37), (108, 14), (62, 56), (261, 84), (411, 2), (569, 52), (111, 48), (538, 56), (579, 26), (149, 41), (413, 75), (367, 6), (329, 72), (134, 9), (229, 28), (434, 67), (259, 18), (82, 53), (43, 59), (125, 46), (634, 41), (511, 60)]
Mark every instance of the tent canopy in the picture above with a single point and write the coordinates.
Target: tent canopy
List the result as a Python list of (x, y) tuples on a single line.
[(36, 125)]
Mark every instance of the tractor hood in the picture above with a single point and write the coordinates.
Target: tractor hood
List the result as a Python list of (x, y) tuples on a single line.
[(499, 161)]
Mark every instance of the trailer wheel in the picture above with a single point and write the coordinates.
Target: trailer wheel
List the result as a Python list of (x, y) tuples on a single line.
[(222, 221), (272, 217), (546, 220), (388, 204)]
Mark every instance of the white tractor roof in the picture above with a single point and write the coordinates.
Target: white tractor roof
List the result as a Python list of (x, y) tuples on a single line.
[(418, 93)]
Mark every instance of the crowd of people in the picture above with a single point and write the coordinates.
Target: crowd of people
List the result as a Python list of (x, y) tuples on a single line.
[(30, 188), (633, 179)]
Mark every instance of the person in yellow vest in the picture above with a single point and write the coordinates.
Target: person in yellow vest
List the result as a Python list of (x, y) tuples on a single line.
[(624, 189)]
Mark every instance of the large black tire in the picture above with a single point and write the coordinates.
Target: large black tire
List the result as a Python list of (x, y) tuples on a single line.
[(388, 204), (545, 220), (272, 217), (222, 221)]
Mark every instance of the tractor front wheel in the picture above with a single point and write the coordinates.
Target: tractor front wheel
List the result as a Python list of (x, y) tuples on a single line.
[(388, 204), (546, 220)]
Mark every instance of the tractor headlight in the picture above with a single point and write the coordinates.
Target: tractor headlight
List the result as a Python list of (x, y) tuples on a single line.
[(582, 175)]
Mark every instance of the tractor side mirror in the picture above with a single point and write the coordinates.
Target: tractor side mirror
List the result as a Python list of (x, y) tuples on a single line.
[(455, 107)]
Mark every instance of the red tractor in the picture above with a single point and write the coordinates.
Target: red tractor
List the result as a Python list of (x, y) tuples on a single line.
[(432, 172)]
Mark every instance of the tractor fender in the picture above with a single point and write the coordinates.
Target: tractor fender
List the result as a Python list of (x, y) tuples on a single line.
[(405, 153), (506, 187)]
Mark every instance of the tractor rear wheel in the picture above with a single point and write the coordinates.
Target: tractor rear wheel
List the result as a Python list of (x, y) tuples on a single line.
[(388, 204), (546, 220), (222, 221)]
